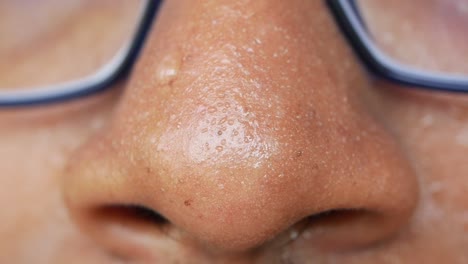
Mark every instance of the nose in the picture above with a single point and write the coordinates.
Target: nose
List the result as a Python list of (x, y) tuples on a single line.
[(243, 126)]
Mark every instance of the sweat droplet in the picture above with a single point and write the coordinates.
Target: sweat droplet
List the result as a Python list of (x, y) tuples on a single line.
[(219, 148), (212, 109), (168, 69)]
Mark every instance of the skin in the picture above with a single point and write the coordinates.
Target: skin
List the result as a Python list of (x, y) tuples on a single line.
[(255, 133)]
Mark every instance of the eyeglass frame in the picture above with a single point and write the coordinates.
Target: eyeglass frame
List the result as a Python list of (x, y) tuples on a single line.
[(352, 24), (348, 19), (119, 66)]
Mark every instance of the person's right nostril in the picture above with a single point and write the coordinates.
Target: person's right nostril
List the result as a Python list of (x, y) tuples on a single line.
[(130, 215)]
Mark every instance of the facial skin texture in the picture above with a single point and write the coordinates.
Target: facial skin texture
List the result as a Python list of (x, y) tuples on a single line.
[(252, 128)]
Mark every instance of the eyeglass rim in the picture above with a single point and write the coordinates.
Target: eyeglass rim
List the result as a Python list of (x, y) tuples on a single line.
[(111, 73), (349, 20)]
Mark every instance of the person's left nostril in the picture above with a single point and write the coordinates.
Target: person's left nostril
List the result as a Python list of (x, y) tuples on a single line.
[(344, 229), (123, 229)]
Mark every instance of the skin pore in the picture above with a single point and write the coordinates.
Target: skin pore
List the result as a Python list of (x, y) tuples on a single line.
[(255, 133)]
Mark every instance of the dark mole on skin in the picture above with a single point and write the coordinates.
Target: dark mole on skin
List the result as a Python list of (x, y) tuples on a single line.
[(188, 202)]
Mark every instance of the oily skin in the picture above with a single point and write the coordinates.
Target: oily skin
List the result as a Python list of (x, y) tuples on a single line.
[(301, 128)]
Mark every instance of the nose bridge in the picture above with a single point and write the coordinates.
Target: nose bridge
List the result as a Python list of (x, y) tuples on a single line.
[(220, 127), (230, 84)]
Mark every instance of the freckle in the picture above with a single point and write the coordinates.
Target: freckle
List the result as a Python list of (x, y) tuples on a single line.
[(148, 170), (188, 202)]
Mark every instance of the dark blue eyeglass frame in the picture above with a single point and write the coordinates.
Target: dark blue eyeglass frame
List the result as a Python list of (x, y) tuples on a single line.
[(93, 85), (349, 19), (347, 16)]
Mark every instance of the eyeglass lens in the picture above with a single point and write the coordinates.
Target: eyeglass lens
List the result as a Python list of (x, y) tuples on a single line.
[(41, 38), (429, 35)]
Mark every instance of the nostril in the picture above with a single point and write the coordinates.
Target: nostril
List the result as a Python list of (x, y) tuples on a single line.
[(129, 215), (123, 229), (343, 229), (337, 217)]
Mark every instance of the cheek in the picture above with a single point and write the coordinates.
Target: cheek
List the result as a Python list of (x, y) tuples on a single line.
[(434, 129), (35, 146), (431, 128)]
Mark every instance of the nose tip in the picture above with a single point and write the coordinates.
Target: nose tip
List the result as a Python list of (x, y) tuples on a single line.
[(270, 178)]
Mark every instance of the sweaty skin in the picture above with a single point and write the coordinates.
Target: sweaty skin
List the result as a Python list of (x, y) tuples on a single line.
[(247, 132)]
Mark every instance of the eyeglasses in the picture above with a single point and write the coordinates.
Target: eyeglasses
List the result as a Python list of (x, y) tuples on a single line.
[(106, 56), (418, 43)]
